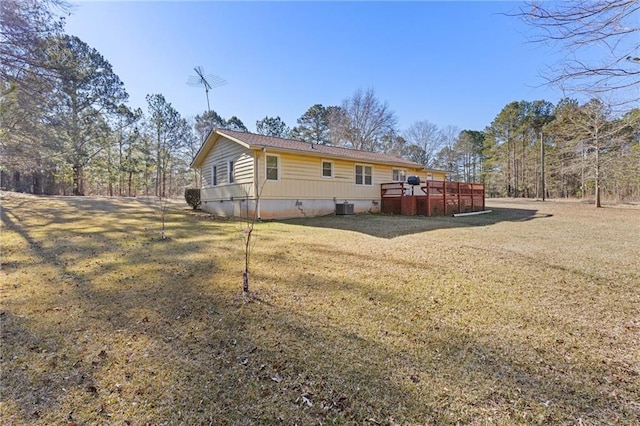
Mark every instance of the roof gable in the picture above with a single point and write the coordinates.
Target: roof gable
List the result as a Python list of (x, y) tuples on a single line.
[(212, 139)]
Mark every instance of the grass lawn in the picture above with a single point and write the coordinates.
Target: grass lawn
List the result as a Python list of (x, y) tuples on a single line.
[(527, 315)]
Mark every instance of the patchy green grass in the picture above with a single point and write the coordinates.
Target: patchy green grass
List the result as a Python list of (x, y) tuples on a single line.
[(527, 315)]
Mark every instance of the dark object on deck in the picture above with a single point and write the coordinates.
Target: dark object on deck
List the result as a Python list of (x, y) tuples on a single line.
[(413, 180)]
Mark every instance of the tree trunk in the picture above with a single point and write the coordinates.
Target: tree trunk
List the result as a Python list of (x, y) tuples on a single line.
[(245, 282), (110, 171), (525, 191), (582, 186), (597, 194), (163, 187), (542, 177), (78, 184), (120, 167), (508, 166), (514, 172), (158, 167), (247, 255)]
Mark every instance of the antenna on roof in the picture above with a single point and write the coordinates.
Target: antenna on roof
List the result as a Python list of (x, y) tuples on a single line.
[(209, 81)]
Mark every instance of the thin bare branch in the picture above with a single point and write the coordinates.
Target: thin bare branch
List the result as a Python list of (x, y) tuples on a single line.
[(600, 39)]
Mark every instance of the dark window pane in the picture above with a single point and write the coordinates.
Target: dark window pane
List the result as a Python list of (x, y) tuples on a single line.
[(272, 167), (327, 169)]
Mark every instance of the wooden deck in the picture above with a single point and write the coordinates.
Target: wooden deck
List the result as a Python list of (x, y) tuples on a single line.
[(432, 198)]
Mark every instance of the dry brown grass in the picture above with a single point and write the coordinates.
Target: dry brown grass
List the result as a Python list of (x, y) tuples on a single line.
[(527, 315)]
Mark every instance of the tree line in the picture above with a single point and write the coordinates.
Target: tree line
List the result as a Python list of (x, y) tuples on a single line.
[(66, 129), (532, 149)]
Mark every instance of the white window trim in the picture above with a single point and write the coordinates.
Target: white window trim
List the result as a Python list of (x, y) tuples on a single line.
[(279, 167), (231, 172), (322, 169), (363, 174), (214, 173)]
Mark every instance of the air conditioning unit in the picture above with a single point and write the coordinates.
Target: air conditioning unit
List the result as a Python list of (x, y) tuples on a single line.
[(344, 209)]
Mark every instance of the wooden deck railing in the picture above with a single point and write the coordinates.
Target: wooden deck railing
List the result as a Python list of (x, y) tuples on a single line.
[(432, 198)]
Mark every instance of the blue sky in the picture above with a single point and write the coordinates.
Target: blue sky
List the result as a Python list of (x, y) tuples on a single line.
[(451, 63)]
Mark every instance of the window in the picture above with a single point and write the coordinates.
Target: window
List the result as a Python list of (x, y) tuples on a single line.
[(327, 169), (272, 167), (364, 175), (398, 175), (231, 172), (214, 175)]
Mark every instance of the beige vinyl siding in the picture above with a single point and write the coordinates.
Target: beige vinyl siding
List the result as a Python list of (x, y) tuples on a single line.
[(221, 153), (300, 188), (434, 175), (301, 177), (244, 167)]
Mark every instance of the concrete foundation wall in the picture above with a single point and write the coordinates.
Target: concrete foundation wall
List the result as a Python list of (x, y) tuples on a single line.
[(283, 209)]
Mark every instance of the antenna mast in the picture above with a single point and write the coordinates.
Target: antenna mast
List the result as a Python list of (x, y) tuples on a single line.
[(209, 81)]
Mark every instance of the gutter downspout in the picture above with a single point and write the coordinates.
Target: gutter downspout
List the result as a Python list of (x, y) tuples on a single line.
[(257, 183)]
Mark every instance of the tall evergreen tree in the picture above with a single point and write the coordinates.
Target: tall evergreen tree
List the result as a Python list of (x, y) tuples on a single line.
[(25, 83), (86, 90), (207, 121), (272, 126), (169, 131), (505, 131), (313, 126), (234, 123), (469, 153)]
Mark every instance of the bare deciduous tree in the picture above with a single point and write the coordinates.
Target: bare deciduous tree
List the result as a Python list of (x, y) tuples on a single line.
[(428, 138), (595, 136), (366, 121), (250, 218), (600, 40), (447, 155)]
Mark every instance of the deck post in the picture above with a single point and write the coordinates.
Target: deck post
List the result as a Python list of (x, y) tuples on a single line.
[(408, 204), (444, 197), (472, 195), (428, 200)]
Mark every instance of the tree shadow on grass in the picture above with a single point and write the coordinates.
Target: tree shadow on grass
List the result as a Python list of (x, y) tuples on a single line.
[(437, 373), (197, 358), (391, 226), (161, 348), (171, 341)]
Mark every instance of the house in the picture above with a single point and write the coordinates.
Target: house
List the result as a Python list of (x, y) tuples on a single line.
[(291, 177)]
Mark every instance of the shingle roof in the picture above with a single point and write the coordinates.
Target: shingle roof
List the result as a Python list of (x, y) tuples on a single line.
[(259, 141)]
